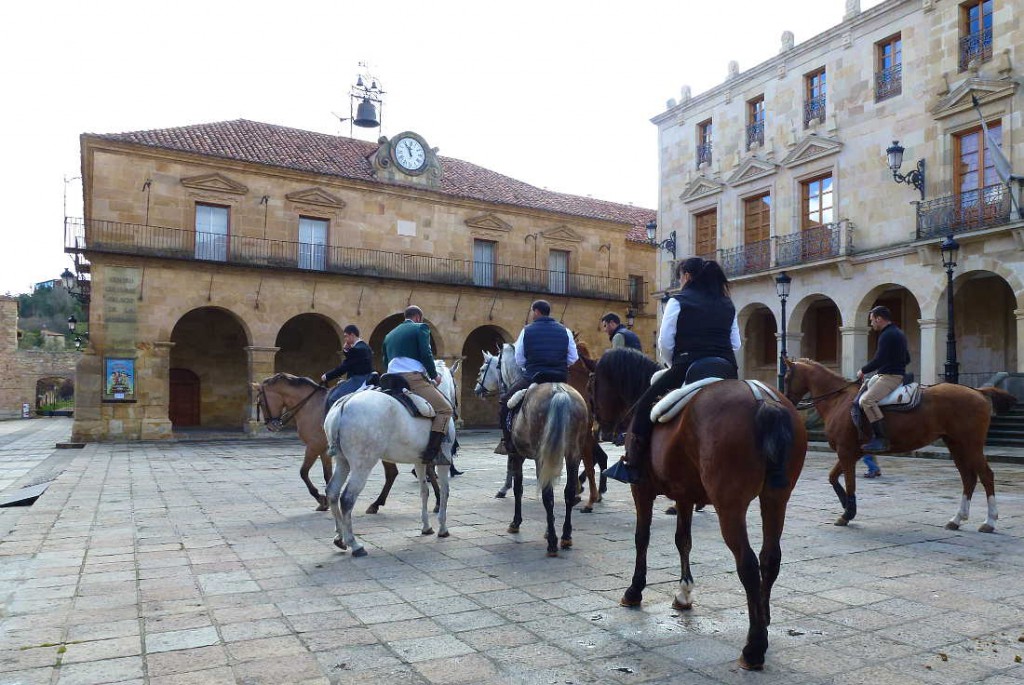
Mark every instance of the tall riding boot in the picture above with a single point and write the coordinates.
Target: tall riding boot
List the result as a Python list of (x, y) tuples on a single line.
[(506, 431), (433, 447), (879, 442), (629, 471)]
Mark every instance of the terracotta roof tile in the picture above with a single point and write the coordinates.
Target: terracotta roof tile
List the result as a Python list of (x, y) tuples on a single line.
[(320, 153)]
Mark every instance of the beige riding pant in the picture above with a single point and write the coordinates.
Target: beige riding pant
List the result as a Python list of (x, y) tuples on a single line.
[(419, 384), (879, 386)]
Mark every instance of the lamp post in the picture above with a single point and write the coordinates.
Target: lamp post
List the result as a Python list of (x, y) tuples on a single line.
[(782, 282), (950, 247), (915, 178), (72, 328)]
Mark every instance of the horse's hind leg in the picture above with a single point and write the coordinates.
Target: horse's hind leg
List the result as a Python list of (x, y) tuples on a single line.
[(588, 468), (354, 484), (421, 475), (684, 543), (517, 492), (773, 517), (848, 496), (307, 464), (390, 474), (643, 500), (734, 531), (570, 501), (971, 468), (442, 503), (509, 470), (548, 497), (432, 477), (334, 485)]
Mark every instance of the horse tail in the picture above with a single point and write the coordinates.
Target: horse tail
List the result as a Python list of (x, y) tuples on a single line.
[(554, 440), (773, 428), (1002, 401), (332, 422)]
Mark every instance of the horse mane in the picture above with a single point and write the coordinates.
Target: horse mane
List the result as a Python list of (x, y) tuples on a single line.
[(294, 381), (632, 368), (818, 365)]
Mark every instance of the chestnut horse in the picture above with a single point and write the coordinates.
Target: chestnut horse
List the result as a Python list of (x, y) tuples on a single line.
[(728, 446), (283, 398), (958, 414)]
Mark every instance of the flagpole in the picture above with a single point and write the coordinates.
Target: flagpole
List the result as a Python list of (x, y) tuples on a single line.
[(1000, 162)]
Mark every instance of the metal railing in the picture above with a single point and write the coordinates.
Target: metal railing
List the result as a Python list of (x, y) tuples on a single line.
[(755, 134), (965, 211), (745, 259), (888, 82), (975, 46), (703, 154), (814, 109), (810, 244), (174, 243)]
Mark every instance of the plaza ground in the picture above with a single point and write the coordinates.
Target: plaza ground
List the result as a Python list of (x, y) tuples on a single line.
[(204, 562)]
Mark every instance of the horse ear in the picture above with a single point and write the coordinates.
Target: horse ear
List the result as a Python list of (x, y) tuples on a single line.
[(456, 364), (255, 387)]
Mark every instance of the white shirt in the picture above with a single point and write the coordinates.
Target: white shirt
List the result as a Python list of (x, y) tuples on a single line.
[(570, 358), (667, 336), (406, 365)]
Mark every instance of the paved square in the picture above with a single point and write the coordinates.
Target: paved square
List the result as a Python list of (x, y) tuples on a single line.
[(206, 563)]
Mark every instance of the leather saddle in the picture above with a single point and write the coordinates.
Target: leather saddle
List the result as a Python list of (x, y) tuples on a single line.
[(701, 373), (904, 398), (394, 385)]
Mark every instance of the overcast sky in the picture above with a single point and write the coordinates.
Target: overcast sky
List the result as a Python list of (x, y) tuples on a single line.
[(556, 94)]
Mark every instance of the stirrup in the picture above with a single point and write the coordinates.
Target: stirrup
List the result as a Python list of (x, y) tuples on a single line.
[(622, 472)]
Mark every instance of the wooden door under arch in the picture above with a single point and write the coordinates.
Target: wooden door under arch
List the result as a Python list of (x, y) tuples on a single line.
[(184, 400)]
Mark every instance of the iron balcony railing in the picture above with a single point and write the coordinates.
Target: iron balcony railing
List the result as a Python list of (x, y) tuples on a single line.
[(975, 46), (173, 243), (745, 259), (814, 110), (888, 82), (755, 134), (965, 211), (703, 154), (810, 244)]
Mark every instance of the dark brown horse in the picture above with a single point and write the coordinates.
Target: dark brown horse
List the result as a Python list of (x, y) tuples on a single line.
[(728, 447), (593, 454), (284, 398), (957, 414)]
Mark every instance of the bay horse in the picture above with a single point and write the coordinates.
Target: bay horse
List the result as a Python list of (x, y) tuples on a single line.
[(957, 414), (366, 427), (727, 447), (284, 398), (551, 427)]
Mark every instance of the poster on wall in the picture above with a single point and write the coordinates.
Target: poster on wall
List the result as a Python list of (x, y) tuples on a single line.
[(118, 379)]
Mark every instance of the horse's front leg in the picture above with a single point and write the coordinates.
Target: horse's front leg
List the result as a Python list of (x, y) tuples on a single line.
[(588, 468), (390, 474), (547, 496), (307, 463), (509, 471), (517, 493), (684, 543), (643, 500), (444, 478), (849, 496), (421, 475)]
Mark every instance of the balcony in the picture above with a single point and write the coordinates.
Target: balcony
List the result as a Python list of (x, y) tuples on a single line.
[(745, 259), (975, 46), (111, 237), (986, 207), (755, 134), (811, 244), (888, 83)]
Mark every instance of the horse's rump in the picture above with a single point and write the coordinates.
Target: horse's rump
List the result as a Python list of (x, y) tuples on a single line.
[(1002, 401)]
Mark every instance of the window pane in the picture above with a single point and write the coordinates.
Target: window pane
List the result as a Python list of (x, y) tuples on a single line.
[(483, 263), (211, 232), (558, 267), (312, 244)]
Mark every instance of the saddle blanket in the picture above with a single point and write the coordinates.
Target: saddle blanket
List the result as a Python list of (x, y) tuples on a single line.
[(517, 397), (669, 406)]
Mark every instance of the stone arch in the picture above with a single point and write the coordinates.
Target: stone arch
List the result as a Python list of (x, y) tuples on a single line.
[(817, 320), (479, 411), (906, 313), (985, 324), (758, 357), (310, 344), (210, 342), (376, 339)]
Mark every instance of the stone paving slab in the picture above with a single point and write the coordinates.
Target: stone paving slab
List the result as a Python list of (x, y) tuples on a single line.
[(205, 563)]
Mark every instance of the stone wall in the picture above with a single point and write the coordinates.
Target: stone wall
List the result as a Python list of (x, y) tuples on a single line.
[(21, 369)]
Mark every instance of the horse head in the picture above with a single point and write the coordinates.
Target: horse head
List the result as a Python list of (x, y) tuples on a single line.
[(487, 378)]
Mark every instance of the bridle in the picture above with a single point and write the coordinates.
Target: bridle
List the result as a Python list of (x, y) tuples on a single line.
[(502, 388), (276, 424), (808, 403)]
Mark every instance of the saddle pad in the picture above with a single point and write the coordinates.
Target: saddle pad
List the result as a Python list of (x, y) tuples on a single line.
[(671, 404), (422, 406), (518, 396), (903, 395), (657, 375)]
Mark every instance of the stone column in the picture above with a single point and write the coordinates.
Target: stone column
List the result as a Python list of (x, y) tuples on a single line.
[(89, 424), (156, 421), (261, 366), (854, 349), (1019, 313), (933, 339)]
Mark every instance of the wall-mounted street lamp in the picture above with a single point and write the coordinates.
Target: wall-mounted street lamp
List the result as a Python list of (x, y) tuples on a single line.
[(950, 249), (72, 328), (915, 178), (668, 244), (74, 287), (630, 318), (782, 282)]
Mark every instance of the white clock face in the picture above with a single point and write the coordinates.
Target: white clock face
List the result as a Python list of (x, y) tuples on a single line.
[(409, 154)]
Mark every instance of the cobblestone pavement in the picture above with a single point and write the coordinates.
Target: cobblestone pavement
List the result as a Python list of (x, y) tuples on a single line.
[(205, 563)]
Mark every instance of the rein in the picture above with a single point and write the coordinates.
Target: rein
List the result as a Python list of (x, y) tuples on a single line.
[(275, 424), (808, 403)]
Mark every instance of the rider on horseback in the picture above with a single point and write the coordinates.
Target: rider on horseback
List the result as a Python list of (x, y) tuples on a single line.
[(407, 353), (546, 350), (358, 365), (698, 323), (619, 335), (890, 365)]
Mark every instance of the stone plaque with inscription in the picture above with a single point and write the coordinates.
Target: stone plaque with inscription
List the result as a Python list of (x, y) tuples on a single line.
[(120, 308)]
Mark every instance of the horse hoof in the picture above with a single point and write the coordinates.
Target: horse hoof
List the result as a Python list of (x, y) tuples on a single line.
[(987, 528), (952, 526), (747, 666), (576, 501), (513, 529), (552, 552), (679, 606), (340, 544), (699, 507), (671, 511), (322, 507), (361, 552), (500, 494), (629, 603), (443, 534), (372, 509), (428, 531), (841, 521), (566, 543), (437, 508), (587, 510)]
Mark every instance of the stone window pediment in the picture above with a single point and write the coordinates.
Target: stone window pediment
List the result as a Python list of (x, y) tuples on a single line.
[(750, 170), (959, 99), (216, 183), (563, 233), (316, 196), (812, 147), (489, 222), (701, 187)]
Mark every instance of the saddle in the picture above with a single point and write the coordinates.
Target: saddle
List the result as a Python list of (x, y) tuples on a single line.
[(904, 398), (393, 385), (669, 406)]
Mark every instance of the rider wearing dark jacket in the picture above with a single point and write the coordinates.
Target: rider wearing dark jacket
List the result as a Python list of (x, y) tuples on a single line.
[(358, 365), (619, 335)]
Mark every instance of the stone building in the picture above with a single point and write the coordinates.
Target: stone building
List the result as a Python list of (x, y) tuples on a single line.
[(783, 167), (25, 373), (219, 254)]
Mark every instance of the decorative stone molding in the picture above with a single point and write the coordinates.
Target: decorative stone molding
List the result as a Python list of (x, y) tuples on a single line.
[(787, 42), (812, 147), (701, 187), (563, 233), (845, 268), (488, 221), (959, 99), (217, 183), (751, 170), (316, 196), (385, 169)]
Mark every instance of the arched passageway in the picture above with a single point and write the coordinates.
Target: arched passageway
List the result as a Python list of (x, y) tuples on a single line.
[(209, 362), (55, 393), (821, 339), (310, 345), (479, 412), (906, 313), (985, 325), (760, 346)]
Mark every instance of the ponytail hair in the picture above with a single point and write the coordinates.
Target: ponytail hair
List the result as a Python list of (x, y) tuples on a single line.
[(706, 275)]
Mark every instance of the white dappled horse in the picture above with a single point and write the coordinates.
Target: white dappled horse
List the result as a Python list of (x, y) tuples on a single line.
[(366, 427)]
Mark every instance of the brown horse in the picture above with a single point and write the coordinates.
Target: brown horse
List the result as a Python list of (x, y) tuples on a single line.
[(283, 398), (728, 446), (579, 379), (956, 413)]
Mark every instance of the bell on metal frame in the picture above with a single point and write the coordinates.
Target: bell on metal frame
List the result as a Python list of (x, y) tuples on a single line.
[(366, 115)]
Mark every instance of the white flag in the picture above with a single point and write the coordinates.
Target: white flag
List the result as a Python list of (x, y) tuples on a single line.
[(1001, 163)]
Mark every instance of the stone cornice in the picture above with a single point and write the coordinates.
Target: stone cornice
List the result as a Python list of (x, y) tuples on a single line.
[(812, 147), (959, 99)]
